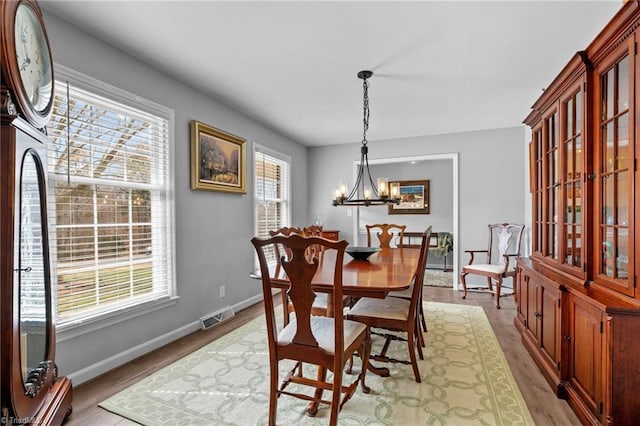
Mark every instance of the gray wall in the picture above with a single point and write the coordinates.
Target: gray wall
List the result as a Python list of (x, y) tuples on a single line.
[(212, 229), (491, 179), (440, 217)]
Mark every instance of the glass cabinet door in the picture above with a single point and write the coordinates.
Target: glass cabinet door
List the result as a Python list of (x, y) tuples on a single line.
[(559, 165), (551, 186), (573, 171), (615, 156), (537, 190)]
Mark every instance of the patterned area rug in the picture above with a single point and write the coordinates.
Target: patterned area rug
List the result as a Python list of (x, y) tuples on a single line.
[(438, 278), (465, 380)]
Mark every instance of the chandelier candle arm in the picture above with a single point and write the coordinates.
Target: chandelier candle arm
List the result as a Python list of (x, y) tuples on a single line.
[(378, 192)]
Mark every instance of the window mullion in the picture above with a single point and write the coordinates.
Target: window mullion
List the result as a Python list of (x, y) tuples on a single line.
[(130, 240), (96, 251)]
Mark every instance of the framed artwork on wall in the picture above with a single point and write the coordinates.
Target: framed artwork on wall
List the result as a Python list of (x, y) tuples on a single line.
[(414, 197), (218, 159)]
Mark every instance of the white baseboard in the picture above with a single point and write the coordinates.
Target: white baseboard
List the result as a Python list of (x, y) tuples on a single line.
[(248, 302), (94, 370), (101, 367)]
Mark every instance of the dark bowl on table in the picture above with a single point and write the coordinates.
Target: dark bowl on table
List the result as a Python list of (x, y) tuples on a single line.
[(361, 253)]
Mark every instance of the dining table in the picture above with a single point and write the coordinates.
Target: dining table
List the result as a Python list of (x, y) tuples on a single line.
[(386, 271)]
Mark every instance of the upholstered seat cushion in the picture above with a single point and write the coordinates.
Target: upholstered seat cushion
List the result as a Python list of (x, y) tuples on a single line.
[(403, 294), (323, 330), (320, 302), (406, 293), (390, 308), (490, 269)]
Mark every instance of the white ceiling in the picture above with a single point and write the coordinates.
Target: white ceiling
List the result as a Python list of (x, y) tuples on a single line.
[(439, 67)]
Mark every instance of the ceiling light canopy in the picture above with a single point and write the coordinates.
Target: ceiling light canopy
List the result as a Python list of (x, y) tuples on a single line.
[(366, 193)]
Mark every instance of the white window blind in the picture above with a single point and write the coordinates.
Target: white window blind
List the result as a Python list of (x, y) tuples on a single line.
[(272, 184), (109, 199)]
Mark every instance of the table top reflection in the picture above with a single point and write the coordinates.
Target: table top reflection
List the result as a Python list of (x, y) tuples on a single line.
[(388, 270)]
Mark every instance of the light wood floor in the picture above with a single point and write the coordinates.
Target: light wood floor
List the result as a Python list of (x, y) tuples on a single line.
[(545, 408)]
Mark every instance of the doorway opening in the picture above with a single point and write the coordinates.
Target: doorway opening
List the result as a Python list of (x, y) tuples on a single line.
[(420, 160)]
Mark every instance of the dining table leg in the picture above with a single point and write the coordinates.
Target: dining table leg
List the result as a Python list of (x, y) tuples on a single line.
[(380, 371)]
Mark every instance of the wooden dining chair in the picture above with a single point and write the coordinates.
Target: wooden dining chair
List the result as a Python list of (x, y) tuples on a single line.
[(395, 314), (278, 252), (408, 293), (328, 342), (285, 230), (504, 243), (320, 303), (384, 236), (313, 231)]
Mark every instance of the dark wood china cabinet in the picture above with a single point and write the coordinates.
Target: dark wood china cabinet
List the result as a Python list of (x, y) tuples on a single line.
[(578, 305)]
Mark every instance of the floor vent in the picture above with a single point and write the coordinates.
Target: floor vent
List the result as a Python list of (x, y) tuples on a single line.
[(217, 317)]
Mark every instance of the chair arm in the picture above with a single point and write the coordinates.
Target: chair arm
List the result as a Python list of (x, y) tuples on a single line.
[(506, 261), (472, 253)]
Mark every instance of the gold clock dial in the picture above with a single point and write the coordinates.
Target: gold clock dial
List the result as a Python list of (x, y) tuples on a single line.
[(34, 59)]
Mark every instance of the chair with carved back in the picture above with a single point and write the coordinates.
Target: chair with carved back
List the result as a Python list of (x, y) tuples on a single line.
[(279, 251), (384, 236), (328, 342), (285, 230), (504, 245), (396, 314), (313, 231), (320, 303), (407, 294)]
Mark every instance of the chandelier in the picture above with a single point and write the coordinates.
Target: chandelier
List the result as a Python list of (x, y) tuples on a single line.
[(366, 193)]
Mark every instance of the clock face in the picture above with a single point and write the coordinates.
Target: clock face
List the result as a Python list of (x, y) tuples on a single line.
[(34, 59)]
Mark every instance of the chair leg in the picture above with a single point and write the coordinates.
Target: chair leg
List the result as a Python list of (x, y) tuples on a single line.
[(464, 284), (335, 397), (412, 352), (273, 392), (422, 319), (498, 286), (419, 332), (420, 341), (365, 354), (490, 284)]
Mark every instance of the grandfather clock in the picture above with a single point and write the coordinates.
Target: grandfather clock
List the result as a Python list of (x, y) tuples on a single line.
[(31, 392)]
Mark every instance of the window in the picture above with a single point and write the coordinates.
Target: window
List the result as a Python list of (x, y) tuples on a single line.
[(109, 170), (272, 208)]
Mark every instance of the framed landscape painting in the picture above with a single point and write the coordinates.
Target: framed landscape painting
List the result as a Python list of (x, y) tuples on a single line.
[(414, 198), (218, 159)]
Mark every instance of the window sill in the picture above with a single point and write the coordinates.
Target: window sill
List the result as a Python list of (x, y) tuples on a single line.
[(82, 326)]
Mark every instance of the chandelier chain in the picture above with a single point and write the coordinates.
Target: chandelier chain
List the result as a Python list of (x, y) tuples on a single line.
[(366, 191), (365, 89)]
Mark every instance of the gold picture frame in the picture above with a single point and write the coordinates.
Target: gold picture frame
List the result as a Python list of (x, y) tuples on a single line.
[(218, 159), (414, 197)]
